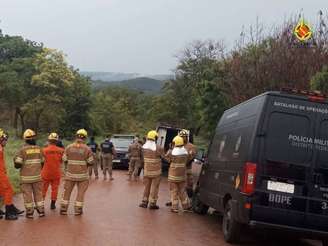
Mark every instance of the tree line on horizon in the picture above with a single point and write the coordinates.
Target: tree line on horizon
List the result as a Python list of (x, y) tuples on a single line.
[(40, 90)]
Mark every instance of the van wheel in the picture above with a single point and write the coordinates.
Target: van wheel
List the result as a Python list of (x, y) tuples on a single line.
[(325, 242), (197, 206), (231, 228)]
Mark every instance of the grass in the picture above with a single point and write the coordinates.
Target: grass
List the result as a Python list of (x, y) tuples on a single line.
[(11, 149)]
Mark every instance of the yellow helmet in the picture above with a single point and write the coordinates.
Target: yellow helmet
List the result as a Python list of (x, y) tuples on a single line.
[(3, 134), (53, 136), (183, 133), (178, 141), (152, 135), (82, 133), (29, 134)]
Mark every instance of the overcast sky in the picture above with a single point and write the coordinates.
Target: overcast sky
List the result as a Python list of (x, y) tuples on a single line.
[(139, 35)]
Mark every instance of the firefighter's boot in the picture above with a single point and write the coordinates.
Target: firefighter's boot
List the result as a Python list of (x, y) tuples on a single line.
[(168, 204), (143, 204), (64, 208), (18, 211), (153, 206), (29, 213), (11, 213), (78, 211), (40, 211), (53, 205)]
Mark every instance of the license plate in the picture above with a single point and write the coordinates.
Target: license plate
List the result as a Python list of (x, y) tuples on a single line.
[(282, 187), (116, 161)]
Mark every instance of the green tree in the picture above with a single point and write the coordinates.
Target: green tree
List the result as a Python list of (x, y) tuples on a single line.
[(16, 70), (120, 110), (320, 81), (76, 105), (48, 85), (196, 98)]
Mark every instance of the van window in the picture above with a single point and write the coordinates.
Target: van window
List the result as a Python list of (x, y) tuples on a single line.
[(219, 149), (227, 146), (321, 145), (236, 153), (222, 144), (288, 138)]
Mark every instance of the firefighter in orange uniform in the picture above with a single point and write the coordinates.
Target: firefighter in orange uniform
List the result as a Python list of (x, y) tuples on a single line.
[(6, 191), (178, 158), (192, 151), (152, 154), (51, 171), (29, 160), (77, 157)]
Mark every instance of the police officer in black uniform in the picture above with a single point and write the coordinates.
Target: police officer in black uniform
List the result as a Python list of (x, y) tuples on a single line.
[(94, 148), (108, 152)]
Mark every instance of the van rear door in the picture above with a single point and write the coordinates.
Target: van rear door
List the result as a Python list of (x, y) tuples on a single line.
[(317, 205), (161, 136), (285, 162)]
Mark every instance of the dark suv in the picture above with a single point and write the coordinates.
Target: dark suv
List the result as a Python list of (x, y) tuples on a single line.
[(121, 143), (267, 166)]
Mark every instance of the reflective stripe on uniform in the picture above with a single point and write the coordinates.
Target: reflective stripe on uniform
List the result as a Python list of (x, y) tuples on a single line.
[(29, 205), (19, 160), (152, 201), (150, 160), (78, 204), (33, 161), (178, 165), (31, 178), (76, 162), (64, 202), (77, 176), (152, 173), (175, 178), (40, 204)]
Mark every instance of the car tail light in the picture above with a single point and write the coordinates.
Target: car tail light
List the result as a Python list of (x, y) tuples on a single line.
[(249, 178), (248, 205), (316, 98)]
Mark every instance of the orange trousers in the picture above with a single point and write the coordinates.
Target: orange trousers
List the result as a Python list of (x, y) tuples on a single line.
[(54, 188), (6, 191)]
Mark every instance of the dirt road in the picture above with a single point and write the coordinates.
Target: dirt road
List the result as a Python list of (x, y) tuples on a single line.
[(112, 217)]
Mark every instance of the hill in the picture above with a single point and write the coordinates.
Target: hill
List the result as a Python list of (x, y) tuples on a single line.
[(114, 77), (109, 76), (144, 84)]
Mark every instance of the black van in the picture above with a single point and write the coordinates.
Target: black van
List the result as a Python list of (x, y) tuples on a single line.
[(267, 166)]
